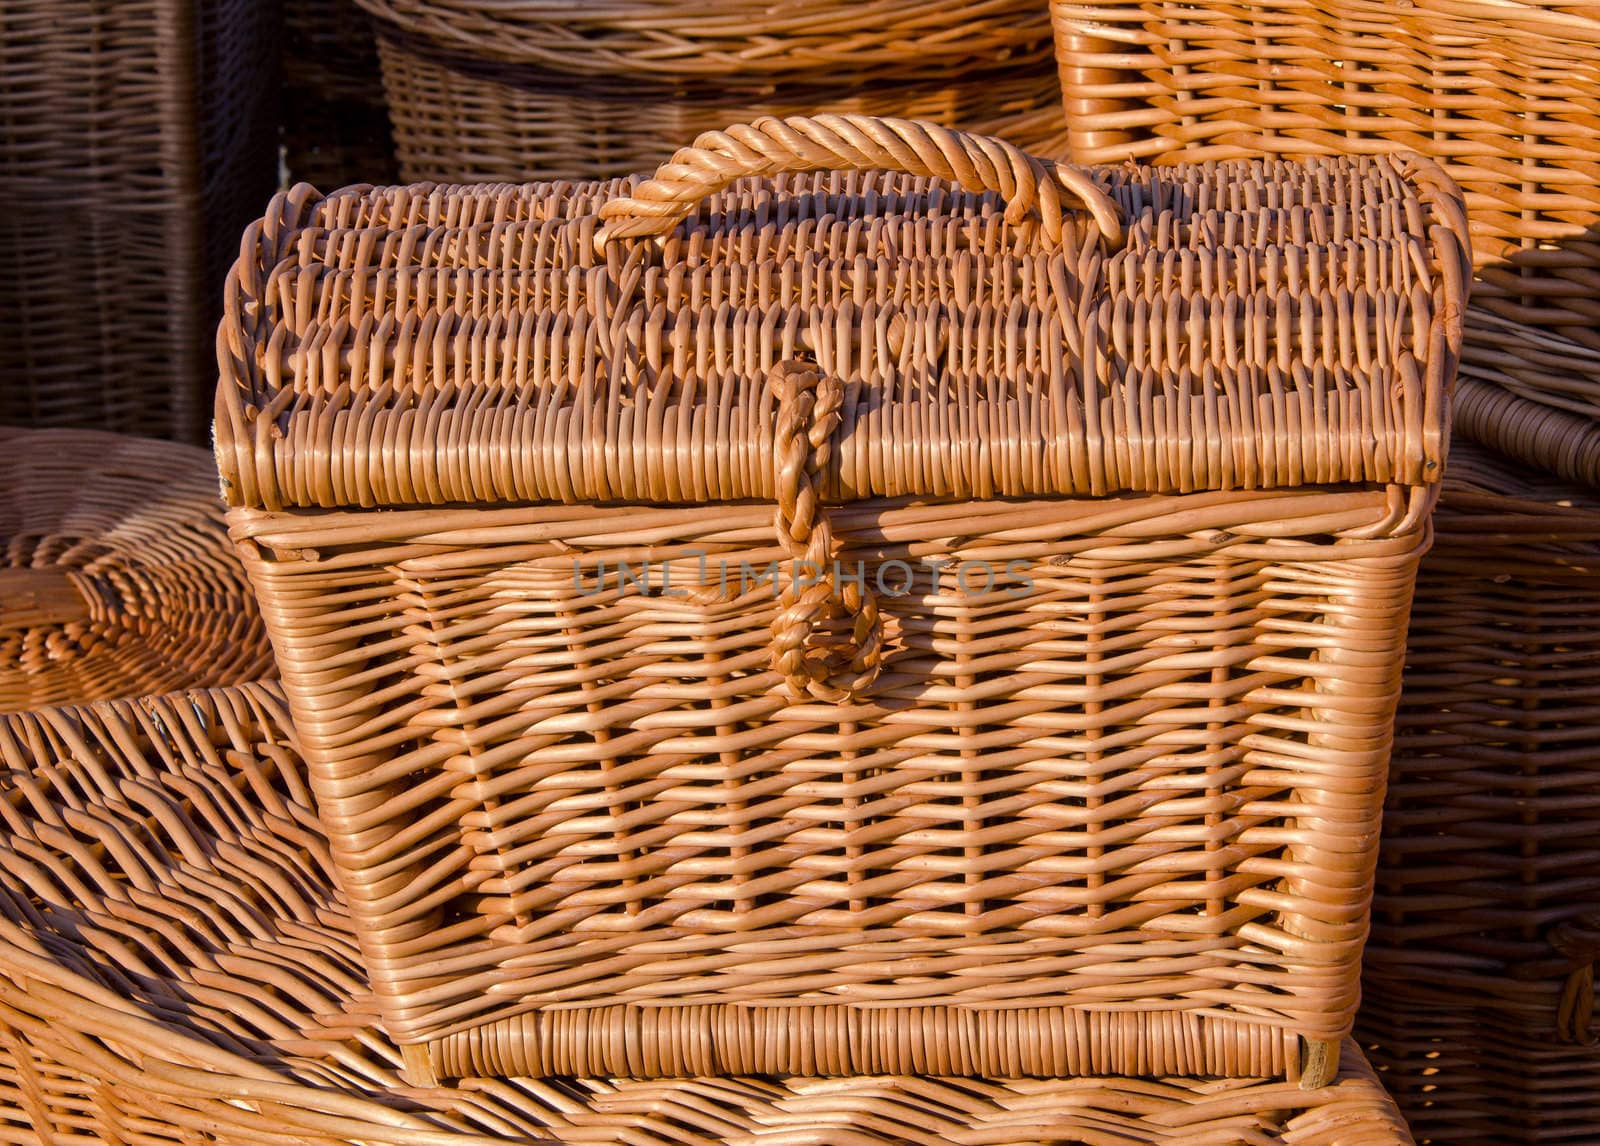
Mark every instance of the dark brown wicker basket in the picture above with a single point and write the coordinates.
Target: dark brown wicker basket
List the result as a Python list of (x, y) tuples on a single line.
[(335, 121), (136, 138), (492, 92)]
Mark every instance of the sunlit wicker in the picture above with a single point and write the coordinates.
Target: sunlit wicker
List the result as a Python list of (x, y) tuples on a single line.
[(116, 574), (1097, 795), (136, 138), (177, 969)]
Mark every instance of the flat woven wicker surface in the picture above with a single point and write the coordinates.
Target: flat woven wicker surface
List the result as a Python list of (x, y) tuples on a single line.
[(1113, 814), (136, 140), (116, 573), (176, 967), (1505, 94)]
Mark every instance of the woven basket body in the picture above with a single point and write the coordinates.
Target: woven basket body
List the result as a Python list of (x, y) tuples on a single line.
[(176, 968), (1068, 758), (137, 139), (1505, 94), (335, 124), (1479, 990), (491, 92), (116, 573)]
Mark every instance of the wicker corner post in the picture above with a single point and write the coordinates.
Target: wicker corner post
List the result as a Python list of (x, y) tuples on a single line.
[(1046, 734)]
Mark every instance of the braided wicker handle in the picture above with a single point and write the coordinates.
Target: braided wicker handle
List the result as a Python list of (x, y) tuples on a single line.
[(827, 640), (855, 142)]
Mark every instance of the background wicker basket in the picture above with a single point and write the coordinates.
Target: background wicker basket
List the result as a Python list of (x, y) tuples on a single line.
[(136, 139), (1505, 94), (176, 968), (116, 573), (1479, 981), (562, 809), (335, 122), (552, 90)]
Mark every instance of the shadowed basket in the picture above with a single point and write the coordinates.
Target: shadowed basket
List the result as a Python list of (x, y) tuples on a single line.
[(137, 138), (116, 573), (335, 123), (944, 622), (483, 91), (177, 968)]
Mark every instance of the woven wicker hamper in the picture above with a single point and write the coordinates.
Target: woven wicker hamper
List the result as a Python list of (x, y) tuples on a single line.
[(136, 138), (1069, 761), (176, 967), (485, 91), (116, 573)]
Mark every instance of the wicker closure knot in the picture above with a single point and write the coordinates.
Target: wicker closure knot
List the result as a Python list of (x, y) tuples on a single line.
[(1579, 940), (827, 639)]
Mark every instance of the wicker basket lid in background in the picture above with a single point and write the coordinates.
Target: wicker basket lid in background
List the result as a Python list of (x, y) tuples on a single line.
[(116, 573)]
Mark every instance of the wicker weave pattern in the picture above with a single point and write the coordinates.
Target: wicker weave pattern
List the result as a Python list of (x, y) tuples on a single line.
[(497, 92), (116, 575), (177, 969), (585, 824), (135, 141), (1506, 95)]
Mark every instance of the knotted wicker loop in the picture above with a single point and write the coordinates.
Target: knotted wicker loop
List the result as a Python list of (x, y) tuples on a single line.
[(855, 142), (814, 657), (1579, 940)]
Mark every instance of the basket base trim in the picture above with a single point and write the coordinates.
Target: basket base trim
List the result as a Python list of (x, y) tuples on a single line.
[(829, 1040)]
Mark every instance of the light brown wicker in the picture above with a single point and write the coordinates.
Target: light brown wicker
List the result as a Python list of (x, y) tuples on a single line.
[(335, 122), (1506, 94), (177, 969), (116, 574), (1096, 795), (486, 91), (136, 139)]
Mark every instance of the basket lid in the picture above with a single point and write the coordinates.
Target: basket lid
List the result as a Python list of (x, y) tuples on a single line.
[(954, 318)]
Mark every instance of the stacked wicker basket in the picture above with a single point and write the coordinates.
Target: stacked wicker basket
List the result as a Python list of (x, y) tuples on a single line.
[(582, 91), (136, 139), (1481, 974)]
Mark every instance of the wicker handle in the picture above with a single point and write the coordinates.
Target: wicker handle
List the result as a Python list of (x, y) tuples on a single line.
[(827, 640), (862, 142)]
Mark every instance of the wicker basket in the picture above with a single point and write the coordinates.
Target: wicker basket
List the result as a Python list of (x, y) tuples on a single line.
[(116, 575), (614, 793), (482, 91), (335, 123), (1506, 94), (176, 968), (1464, 1075), (137, 138)]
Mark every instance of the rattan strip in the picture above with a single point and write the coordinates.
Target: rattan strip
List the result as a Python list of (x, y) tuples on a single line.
[(137, 139), (1506, 95), (116, 573), (176, 968), (1097, 371)]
